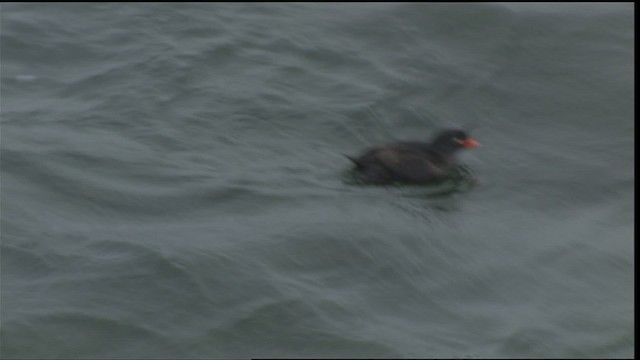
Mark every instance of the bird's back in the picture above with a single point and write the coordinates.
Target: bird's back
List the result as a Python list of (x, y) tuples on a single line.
[(404, 161)]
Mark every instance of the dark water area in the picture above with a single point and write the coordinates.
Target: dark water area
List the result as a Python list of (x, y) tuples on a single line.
[(173, 181)]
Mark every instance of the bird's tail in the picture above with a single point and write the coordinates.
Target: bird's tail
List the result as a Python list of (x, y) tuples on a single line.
[(354, 160)]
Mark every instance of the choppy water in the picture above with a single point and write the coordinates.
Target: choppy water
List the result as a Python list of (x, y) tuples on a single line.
[(173, 181)]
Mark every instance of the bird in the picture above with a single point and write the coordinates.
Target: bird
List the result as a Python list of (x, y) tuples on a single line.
[(412, 162)]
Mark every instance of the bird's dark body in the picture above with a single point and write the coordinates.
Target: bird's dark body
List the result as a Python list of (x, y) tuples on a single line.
[(412, 162)]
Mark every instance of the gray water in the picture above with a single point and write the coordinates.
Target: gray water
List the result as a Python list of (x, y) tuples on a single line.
[(173, 181)]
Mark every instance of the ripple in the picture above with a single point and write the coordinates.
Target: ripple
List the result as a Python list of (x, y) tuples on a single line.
[(461, 181)]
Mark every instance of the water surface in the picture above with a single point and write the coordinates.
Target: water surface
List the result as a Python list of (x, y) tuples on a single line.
[(173, 181)]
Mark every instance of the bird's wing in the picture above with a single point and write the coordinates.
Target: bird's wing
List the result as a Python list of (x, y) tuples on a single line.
[(411, 165)]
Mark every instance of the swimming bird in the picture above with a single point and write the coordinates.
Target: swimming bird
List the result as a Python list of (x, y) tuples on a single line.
[(413, 162)]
